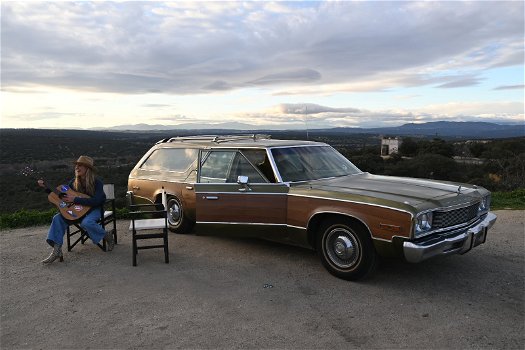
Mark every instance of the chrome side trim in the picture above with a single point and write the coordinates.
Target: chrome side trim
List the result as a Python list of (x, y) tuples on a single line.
[(356, 202), (297, 227), (240, 223), (157, 180), (243, 193)]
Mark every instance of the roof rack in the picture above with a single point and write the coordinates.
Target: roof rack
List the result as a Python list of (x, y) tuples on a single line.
[(216, 138)]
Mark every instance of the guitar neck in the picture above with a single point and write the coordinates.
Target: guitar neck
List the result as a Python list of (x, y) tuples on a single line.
[(54, 190)]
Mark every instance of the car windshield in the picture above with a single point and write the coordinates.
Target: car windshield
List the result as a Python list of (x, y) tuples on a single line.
[(311, 163)]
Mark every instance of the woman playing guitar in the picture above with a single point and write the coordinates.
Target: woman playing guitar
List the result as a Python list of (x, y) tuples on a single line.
[(85, 183)]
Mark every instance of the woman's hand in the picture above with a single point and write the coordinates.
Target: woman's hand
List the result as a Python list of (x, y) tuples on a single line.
[(68, 198)]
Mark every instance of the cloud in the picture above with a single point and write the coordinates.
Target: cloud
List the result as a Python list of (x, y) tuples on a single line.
[(185, 47), (469, 81), (155, 105), (293, 76), (46, 117), (218, 86), (310, 108), (510, 87), (292, 115)]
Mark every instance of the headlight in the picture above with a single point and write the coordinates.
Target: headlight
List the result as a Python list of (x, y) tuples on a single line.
[(484, 205), (423, 224)]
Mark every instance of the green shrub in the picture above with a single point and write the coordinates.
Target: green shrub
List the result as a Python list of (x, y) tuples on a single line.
[(509, 200), (26, 218)]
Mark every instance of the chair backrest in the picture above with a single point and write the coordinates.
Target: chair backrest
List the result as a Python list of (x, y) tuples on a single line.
[(164, 199), (129, 198), (109, 190)]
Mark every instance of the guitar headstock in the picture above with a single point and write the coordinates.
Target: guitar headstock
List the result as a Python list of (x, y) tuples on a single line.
[(28, 171)]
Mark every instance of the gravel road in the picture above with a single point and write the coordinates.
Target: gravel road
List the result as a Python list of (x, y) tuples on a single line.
[(230, 293)]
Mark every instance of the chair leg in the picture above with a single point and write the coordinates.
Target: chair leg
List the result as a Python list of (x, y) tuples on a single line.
[(115, 228), (166, 253), (134, 249), (68, 239)]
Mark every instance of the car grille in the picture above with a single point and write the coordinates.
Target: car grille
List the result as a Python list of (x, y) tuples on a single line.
[(454, 217)]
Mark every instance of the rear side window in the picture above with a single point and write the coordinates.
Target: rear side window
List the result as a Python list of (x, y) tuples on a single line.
[(226, 166), (170, 159), (216, 166)]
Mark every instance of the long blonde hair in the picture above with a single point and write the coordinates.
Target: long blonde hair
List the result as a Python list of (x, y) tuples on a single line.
[(88, 187)]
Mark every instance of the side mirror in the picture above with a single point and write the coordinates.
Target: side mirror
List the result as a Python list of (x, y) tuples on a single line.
[(242, 180)]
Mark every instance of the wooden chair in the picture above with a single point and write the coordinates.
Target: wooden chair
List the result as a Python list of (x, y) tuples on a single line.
[(107, 218), (146, 224)]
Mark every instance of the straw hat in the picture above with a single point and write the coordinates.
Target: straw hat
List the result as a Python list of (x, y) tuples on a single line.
[(86, 161)]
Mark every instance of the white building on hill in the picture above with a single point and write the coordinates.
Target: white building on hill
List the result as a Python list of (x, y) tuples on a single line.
[(390, 145)]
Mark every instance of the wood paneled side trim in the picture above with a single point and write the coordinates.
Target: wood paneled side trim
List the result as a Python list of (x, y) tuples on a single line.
[(383, 222)]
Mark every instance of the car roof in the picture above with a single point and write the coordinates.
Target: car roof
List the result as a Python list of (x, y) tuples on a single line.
[(252, 140)]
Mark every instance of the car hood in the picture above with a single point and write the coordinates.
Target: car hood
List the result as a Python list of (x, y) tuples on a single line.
[(400, 192)]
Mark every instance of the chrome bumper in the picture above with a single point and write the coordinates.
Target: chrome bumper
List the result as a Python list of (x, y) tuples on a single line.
[(458, 242)]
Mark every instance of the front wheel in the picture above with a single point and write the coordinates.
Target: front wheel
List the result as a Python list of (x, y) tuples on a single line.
[(346, 249), (177, 220)]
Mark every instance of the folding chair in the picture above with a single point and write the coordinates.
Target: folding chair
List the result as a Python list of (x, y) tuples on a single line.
[(147, 228), (107, 217)]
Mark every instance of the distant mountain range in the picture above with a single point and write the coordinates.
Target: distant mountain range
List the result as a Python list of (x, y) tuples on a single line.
[(438, 129)]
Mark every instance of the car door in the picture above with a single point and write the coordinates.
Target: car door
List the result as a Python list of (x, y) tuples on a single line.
[(234, 197)]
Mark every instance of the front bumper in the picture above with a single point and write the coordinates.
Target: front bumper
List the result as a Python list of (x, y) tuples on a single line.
[(456, 242)]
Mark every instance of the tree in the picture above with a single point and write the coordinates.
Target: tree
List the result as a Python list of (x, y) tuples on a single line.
[(477, 148), (428, 166), (408, 147), (371, 163), (436, 146)]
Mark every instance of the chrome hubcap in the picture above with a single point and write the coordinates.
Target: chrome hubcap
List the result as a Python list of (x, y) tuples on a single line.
[(342, 247), (174, 212)]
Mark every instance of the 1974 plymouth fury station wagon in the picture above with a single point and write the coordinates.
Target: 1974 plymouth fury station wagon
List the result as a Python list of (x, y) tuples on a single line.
[(308, 194)]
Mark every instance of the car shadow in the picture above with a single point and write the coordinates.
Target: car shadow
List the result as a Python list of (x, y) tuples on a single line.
[(458, 275)]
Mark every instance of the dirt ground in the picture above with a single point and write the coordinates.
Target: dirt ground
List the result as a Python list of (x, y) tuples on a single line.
[(230, 293)]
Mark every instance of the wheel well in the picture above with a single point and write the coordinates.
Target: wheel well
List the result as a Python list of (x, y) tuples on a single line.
[(158, 197), (318, 219)]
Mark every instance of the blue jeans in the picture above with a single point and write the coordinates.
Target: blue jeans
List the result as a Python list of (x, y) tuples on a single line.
[(89, 223)]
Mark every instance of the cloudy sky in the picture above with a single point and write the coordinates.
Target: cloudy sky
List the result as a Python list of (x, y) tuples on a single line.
[(271, 64)]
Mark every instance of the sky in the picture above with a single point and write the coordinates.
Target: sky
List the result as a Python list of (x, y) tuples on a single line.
[(276, 65)]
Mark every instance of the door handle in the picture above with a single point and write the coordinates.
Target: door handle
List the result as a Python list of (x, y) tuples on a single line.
[(210, 198), (189, 187)]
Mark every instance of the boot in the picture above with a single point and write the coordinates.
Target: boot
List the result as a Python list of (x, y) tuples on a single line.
[(56, 253), (110, 240)]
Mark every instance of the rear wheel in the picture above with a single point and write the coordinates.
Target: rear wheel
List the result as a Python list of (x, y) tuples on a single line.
[(346, 249), (177, 220)]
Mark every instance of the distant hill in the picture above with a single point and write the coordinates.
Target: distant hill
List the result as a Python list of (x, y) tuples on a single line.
[(446, 129), (187, 126), (438, 129)]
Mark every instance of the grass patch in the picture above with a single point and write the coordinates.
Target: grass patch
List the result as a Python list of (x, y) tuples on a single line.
[(508, 200)]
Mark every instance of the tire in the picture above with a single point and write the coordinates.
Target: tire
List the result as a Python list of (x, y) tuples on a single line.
[(346, 249), (177, 220)]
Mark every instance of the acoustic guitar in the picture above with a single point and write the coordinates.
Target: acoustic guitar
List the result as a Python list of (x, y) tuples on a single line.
[(69, 211)]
